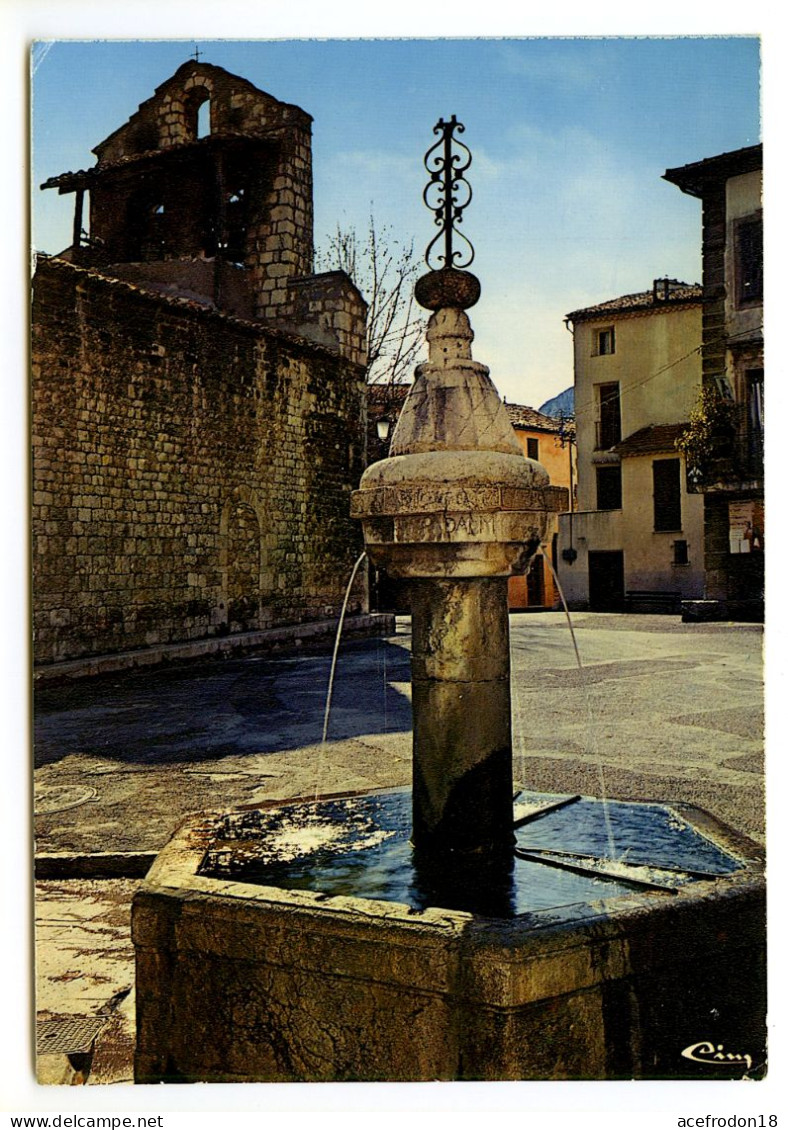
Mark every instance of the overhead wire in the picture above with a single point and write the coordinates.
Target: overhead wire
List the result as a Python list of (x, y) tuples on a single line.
[(590, 405)]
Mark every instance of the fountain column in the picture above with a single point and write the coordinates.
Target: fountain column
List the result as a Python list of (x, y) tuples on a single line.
[(462, 757), (455, 510)]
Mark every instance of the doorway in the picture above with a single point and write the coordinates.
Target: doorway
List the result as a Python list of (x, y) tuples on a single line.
[(534, 581), (606, 580)]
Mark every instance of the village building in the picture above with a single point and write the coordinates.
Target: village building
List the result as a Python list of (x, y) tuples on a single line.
[(729, 478), (635, 540), (198, 402), (550, 442)]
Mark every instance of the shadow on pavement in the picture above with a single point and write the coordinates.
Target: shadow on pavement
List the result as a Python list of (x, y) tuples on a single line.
[(209, 711)]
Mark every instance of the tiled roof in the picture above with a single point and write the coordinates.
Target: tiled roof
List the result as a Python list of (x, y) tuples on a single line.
[(694, 178), (382, 398), (650, 440), (389, 398), (70, 181), (679, 294), (207, 310), (522, 416)]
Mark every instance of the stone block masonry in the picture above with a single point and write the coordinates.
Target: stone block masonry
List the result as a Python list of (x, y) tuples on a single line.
[(191, 470), (239, 982)]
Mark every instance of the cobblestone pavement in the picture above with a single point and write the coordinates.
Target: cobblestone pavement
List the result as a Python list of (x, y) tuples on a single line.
[(660, 711)]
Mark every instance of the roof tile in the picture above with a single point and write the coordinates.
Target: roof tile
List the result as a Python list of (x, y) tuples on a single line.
[(679, 294), (652, 439)]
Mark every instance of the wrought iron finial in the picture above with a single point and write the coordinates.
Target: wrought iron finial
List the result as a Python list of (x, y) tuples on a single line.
[(197, 54), (448, 194)]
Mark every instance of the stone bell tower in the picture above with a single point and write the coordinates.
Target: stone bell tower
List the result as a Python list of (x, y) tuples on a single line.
[(206, 192)]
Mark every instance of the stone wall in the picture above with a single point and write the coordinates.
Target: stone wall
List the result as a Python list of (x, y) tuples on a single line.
[(331, 303), (731, 340), (191, 470), (714, 341)]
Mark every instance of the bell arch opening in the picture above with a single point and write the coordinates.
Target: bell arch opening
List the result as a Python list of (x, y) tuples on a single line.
[(198, 113)]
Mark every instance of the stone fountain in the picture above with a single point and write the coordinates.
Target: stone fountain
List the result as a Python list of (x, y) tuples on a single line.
[(418, 936)]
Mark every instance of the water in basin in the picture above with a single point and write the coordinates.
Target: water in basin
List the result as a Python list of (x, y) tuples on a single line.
[(359, 846)]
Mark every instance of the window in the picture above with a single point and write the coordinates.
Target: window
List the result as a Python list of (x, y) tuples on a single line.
[(608, 488), (606, 341), (680, 554), (532, 446), (755, 415), (667, 494), (609, 415), (749, 261)]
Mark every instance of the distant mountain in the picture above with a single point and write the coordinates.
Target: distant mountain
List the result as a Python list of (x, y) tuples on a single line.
[(563, 404)]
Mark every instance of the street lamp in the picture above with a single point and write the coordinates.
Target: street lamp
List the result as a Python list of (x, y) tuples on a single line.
[(383, 429), (694, 477), (567, 434)]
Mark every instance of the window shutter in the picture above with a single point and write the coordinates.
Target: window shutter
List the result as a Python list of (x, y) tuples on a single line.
[(667, 494)]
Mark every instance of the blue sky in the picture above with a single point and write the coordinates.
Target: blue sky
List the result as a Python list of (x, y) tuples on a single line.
[(569, 137)]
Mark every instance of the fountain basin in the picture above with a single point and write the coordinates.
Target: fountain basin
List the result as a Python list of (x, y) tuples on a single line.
[(241, 980)]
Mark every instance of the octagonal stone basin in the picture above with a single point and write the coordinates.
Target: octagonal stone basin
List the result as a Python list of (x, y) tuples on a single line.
[(303, 942)]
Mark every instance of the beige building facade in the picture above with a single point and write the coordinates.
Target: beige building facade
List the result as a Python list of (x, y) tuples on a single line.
[(635, 540)]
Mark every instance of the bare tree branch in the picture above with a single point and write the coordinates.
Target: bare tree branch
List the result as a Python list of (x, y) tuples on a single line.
[(384, 269)]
